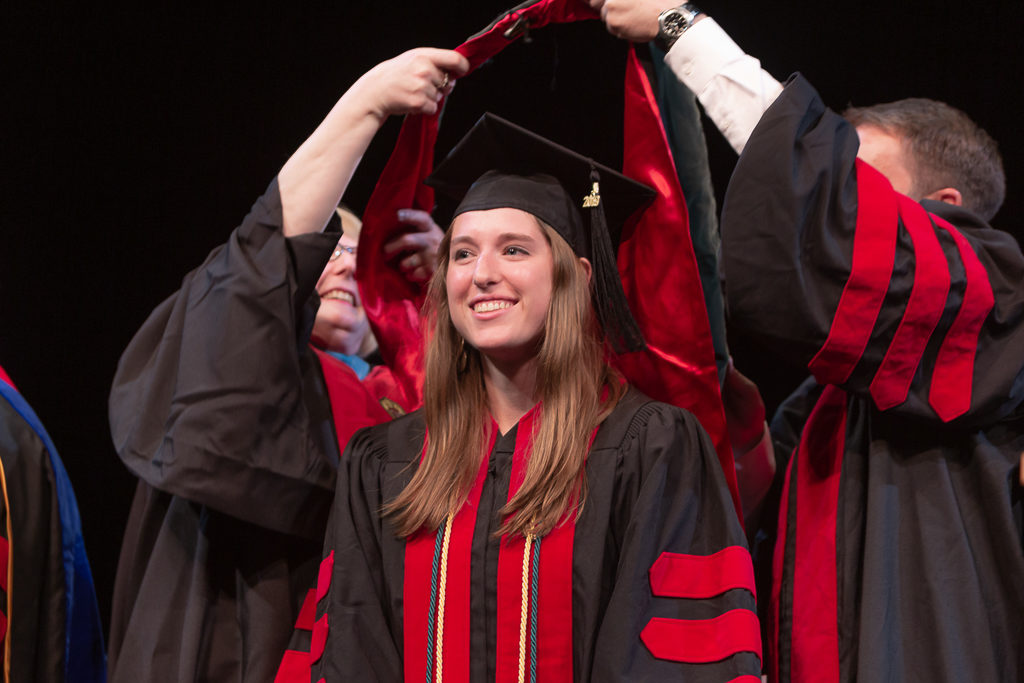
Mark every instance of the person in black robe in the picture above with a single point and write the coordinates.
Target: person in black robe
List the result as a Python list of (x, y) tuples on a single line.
[(50, 629), (232, 423), (862, 250), (648, 579)]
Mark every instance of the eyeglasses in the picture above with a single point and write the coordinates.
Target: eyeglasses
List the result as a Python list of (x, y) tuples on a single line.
[(338, 249)]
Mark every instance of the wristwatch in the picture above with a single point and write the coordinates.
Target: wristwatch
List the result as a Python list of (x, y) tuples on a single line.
[(673, 22)]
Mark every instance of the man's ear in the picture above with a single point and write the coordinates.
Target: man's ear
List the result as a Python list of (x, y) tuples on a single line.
[(587, 268), (950, 195)]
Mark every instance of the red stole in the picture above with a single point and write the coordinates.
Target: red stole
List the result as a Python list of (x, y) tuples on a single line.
[(419, 555), (554, 595)]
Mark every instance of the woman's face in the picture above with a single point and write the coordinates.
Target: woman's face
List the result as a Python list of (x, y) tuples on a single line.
[(341, 324), (499, 282)]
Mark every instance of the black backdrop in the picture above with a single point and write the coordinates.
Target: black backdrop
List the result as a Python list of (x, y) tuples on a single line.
[(135, 141)]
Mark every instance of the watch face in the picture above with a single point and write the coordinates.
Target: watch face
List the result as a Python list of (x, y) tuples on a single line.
[(674, 23)]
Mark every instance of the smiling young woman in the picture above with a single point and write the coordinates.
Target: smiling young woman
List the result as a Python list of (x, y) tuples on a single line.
[(538, 519), (554, 351)]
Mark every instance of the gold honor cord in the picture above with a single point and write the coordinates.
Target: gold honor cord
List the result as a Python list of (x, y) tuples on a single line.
[(524, 611), (439, 642)]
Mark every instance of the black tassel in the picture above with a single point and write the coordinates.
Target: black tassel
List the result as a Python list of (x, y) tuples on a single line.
[(616, 319)]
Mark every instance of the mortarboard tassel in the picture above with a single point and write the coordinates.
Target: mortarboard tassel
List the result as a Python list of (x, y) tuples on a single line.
[(616, 319)]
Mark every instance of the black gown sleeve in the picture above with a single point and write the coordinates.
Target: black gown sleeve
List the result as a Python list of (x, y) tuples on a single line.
[(916, 306), (682, 605), (217, 398), (359, 577)]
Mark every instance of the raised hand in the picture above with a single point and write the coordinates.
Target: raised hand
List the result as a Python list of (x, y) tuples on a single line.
[(414, 82), (635, 20), (312, 181)]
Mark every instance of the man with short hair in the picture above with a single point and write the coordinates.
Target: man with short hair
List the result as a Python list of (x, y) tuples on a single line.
[(930, 150), (863, 252)]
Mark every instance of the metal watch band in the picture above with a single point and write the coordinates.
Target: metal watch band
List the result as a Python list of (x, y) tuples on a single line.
[(673, 22)]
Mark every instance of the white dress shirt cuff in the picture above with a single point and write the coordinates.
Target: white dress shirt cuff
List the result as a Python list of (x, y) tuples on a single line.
[(730, 84)]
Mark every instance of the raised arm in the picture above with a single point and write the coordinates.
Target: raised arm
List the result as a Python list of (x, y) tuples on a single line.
[(313, 179), (730, 84), (217, 399)]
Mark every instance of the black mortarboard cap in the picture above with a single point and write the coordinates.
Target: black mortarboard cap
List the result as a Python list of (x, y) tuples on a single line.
[(499, 164)]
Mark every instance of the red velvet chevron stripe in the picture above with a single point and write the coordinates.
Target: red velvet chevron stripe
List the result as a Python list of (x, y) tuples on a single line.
[(323, 579), (318, 638), (676, 575), (874, 252), (700, 641), (295, 664), (891, 383), (950, 391)]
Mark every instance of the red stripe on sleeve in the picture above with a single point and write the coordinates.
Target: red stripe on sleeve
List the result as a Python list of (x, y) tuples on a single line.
[(323, 579), (891, 383), (700, 641), (307, 615), (295, 668), (319, 639), (295, 664), (874, 251), (675, 575), (950, 392)]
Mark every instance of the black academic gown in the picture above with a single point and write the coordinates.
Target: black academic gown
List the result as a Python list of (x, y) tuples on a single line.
[(50, 629), (899, 553), (654, 487), (220, 408)]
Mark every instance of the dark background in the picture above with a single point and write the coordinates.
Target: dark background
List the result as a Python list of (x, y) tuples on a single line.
[(135, 142)]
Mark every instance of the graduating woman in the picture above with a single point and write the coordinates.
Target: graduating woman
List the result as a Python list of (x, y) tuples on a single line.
[(538, 520)]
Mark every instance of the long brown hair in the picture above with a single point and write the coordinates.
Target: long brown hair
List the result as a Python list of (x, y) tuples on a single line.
[(571, 378)]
